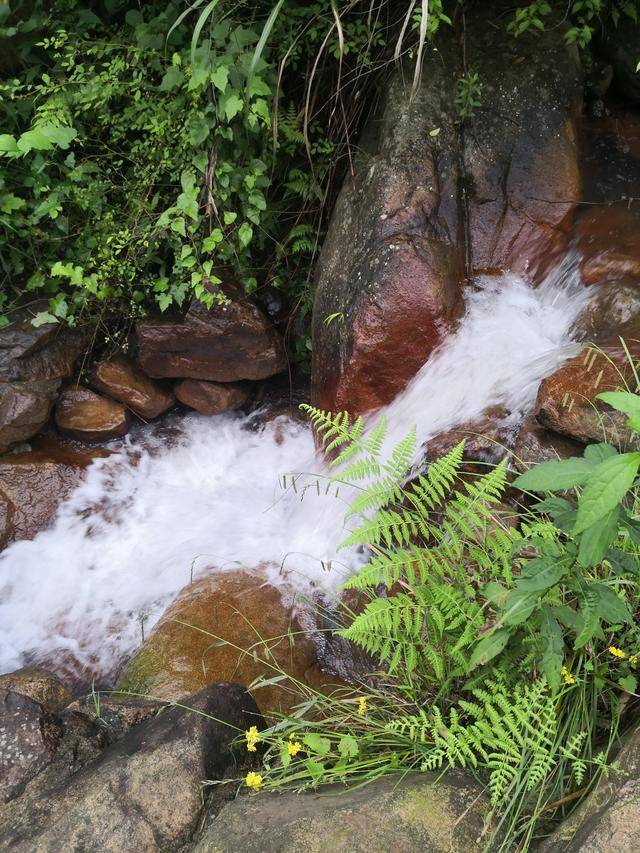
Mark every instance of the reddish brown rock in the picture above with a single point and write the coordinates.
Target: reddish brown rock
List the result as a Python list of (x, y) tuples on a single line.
[(567, 402), (211, 398), (388, 275), (122, 380), (34, 484), (24, 409), (222, 344), (38, 684), (185, 650), (608, 238), (520, 146), (89, 417), (28, 352)]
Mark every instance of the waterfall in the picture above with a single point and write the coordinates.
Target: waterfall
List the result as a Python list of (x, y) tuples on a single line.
[(209, 496)]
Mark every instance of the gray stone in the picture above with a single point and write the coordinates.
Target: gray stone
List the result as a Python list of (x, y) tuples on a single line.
[(420, 812), (24, 749), (24, 409), (143, 792)]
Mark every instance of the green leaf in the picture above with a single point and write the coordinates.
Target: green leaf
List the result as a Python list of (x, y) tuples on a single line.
[(555, 475), (629, 683), (434, 132), (42, 318), (597, 453), (607, 486), (178, 226), (348, 745), (540, 574), (489, 647), (622, 401), (610, 608), (317, 743), (8, 145), (173, 79), (245, 234), (518, 607), (220, 77), (229, 217), (552, 641), (596, 539), (231, 106)]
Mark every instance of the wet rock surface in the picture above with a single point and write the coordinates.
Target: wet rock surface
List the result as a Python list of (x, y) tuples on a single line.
[(142, 792), (38, 684), (536, 444), (24, 409), (608, 239), (392, 259), (28, 352), (223, 344), (520, 147), (211, 398), (621, 45), (566, 401), (25, 748), (121, 379), (488, 438), (34, 484), (89, 417), (392, 815), (612, 312), (212, 632)]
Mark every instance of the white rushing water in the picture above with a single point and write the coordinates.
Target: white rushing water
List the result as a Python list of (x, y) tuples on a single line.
[(153, 515)]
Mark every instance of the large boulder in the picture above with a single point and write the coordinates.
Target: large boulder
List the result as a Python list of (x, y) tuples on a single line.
[(121, 379), (143, 792), (392, 260), (227, 625), (90, 417), (521, 158), (26, 746), (34, 484), (417, 812), (211, 398), (24, 409), (567, 403), (38, 684), (223, 344), (608, 821), (49, 351)]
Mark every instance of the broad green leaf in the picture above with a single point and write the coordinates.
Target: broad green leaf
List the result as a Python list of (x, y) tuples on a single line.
[(561, 511), (597, 453), (611, 608), (231, 106), (245, 234), (606, 487), (8, 144), (220, 77), (555, 475), (489, 647), (348, 745), (596, 539), (317, 743), (622, 401), (518, 607), (173, 78), (552, 641), (42, 318)]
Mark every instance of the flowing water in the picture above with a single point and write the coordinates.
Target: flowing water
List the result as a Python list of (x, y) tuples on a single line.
[(158, 512)]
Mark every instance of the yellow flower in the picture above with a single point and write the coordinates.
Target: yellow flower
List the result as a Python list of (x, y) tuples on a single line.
[(617, 653), (253, 738), (633, 660), (253, 780), (568, 678), (294, 747), (362, 705)]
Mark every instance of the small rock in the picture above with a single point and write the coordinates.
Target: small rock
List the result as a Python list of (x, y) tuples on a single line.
[(221, 344), (24, 409), (122, 380), (608, 821), (143, 792), (24, 749), (417, 812), (211, 398), (89, 417), (566, 401), (38, 684), (186, 649), (28, 352)]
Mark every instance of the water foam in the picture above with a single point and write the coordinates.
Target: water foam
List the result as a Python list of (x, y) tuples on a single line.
[(155, 514)]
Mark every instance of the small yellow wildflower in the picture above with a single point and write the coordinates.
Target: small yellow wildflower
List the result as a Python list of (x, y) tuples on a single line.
[(253, 780), (617, 653), (568, 678), (633, 660), (362, 705), (253, 737), (294, 747)]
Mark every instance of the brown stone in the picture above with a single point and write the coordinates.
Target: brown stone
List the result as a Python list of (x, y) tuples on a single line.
[(613, 311), (520, 147), (28, 352), (536, 444), (608, 239), (488, 438), (211, 398), (38, 684), (186, 650), (222, 344), (89, 417), (24, 409), (122, 380), (389, 270), (34, 484), (24, 748), (566, 401)]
